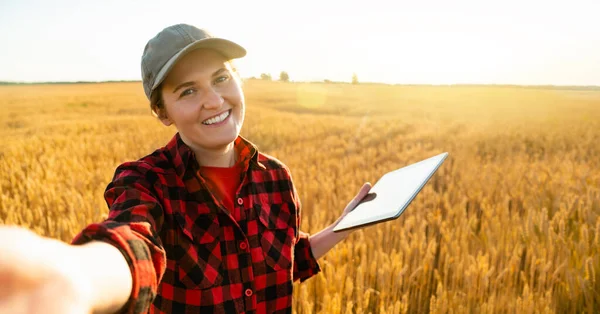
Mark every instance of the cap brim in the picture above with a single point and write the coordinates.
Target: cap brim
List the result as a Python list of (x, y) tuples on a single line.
[(227, 48)]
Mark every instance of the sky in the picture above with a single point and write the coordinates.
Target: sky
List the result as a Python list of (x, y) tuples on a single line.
[(523, 42)]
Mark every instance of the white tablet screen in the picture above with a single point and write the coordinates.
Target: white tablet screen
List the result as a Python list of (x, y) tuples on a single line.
[(391, 194)]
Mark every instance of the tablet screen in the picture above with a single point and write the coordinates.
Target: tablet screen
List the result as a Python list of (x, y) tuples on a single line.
[(390, 196)]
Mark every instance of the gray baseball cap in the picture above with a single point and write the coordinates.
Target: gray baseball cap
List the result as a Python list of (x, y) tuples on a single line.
[(171, 44)]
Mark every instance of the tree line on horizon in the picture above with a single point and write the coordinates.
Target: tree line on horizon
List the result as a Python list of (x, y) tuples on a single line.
[(285, 77)]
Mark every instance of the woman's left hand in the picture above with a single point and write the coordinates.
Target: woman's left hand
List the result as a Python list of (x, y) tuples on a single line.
[(364, 190), (326, 239)]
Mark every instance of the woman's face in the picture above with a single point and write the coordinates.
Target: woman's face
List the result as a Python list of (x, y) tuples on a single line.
[(203, 98)]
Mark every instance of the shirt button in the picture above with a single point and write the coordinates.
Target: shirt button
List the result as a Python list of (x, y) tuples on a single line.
[(240, 201), (243, 245), (248, 292)]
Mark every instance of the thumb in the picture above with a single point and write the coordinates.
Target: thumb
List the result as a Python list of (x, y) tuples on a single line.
[(364, 190)]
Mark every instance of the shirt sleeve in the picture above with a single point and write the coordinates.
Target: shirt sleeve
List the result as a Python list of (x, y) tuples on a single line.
[(133, 224), (305, 264)]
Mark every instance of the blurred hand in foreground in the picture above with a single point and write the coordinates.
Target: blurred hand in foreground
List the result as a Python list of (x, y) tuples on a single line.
[(39, 275)]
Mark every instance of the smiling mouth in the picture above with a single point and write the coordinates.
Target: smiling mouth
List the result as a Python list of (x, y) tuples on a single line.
[(218, 118)]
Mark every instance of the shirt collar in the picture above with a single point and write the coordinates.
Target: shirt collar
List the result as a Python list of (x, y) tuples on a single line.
[(184, 158)]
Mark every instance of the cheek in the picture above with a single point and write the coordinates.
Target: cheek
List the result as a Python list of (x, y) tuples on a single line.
[(185, 113), (235, 94), (239, 111), (238, 101)]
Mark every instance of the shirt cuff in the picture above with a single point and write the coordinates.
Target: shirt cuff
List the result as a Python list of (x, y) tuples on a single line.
[(136, 252), (305, 264)]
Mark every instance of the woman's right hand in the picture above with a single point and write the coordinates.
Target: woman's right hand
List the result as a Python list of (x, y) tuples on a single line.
[(40, 275)]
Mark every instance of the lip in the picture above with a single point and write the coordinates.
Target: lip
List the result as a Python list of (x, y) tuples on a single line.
[(216, 115)]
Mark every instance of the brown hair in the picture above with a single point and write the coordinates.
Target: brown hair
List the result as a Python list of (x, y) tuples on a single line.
[(156, 101)]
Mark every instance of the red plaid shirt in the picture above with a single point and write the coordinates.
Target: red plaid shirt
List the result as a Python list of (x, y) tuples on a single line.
[(188, 253)]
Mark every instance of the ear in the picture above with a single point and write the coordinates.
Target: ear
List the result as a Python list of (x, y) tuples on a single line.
[(166, 121), (161, 114)]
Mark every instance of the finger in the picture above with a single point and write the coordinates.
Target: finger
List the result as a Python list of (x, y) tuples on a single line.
[(46, 299), (15, 303), (364, 190)]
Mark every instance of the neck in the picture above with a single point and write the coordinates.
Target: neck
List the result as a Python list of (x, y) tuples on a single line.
[(224, 157)]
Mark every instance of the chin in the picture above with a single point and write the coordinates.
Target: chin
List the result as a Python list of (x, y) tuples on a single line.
[(213, 140), (221, 141)]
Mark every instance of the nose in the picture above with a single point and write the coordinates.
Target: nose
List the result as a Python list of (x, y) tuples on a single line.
[(212, 99)]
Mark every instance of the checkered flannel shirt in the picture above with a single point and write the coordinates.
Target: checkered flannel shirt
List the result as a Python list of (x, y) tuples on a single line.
[(187, 253)]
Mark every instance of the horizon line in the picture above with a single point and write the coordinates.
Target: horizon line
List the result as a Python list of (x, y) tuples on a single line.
[(325, 81)]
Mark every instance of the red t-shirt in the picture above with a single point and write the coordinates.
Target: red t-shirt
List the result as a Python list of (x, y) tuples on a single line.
[(223, 182)]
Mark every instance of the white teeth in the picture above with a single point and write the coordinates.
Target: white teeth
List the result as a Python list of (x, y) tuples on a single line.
[(217, 119)]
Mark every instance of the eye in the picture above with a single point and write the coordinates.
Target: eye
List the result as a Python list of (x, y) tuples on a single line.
[(186, 92), (222, 79)]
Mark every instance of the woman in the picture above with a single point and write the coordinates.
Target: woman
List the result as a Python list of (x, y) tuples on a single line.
[(206, 223)]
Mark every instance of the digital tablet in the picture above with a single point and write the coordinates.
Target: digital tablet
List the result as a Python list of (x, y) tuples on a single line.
[(391, 194)]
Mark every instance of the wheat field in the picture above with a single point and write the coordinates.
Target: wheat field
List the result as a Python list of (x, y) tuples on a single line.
[(509, 224)]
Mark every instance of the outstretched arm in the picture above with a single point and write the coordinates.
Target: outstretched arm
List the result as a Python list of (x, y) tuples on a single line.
[(324, 240), (44, 275), (110, 266), (109, 276)]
